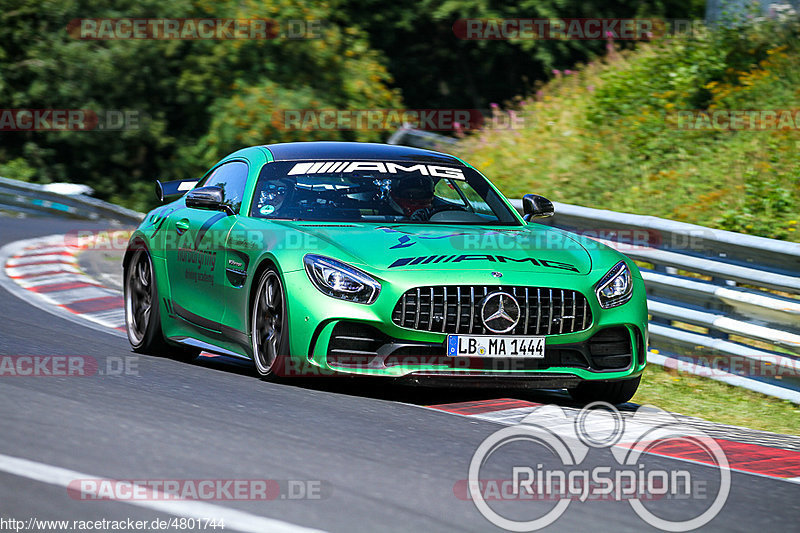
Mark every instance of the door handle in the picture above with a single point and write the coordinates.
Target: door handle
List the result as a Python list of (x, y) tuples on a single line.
[(182, 225)]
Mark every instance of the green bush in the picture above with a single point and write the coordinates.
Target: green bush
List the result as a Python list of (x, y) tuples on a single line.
[(607, 135)]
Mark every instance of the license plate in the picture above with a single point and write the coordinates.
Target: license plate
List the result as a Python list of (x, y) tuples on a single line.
[(491, 346)]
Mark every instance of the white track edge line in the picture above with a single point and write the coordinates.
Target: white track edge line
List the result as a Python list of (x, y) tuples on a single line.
[(233, 518)]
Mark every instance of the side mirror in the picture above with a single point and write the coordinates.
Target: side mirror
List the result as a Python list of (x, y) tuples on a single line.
[(535, 206), (169, 190), (211, 198)]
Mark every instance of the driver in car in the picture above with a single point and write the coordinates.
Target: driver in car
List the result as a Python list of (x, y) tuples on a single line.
[(272, 196), (411, 194)]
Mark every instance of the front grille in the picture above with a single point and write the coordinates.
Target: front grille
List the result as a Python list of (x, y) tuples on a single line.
[(456, 310)]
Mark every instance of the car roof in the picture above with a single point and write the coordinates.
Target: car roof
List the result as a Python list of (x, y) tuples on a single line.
[(331, 150)]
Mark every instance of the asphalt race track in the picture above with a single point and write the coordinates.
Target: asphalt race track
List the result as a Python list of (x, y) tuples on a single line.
[(372, 455)]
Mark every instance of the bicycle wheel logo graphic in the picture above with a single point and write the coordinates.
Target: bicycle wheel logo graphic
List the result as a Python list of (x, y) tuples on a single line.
[(567, 476)]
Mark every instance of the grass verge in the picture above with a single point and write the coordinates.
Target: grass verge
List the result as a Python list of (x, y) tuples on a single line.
[(715, 401)]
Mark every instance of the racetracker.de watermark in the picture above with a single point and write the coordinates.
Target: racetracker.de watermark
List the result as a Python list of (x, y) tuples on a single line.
[(354, 362), (572, 29), (455, 120), (207, 489), (192, 29), (213, 240), (552, 457), (713, 366), (70, 366), (25, 120), (623, 240), (620, 239), (553, 29), (735, 119)]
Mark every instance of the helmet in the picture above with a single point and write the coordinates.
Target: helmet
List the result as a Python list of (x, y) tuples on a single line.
[(273, 194), (277, 187), (412, 193)]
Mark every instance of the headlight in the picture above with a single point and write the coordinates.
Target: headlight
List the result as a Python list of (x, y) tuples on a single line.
[(339, 280), (615, 288)]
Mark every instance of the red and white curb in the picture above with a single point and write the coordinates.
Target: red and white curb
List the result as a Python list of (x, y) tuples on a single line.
[(748, 451), (44, 272)]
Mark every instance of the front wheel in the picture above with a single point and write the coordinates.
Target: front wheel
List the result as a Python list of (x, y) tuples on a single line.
[(613, 392), (269, 325)]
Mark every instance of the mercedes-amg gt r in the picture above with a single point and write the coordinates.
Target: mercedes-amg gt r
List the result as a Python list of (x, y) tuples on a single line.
[(332, 258)]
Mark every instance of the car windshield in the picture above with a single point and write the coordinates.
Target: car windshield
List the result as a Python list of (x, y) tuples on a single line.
[(378, 191)]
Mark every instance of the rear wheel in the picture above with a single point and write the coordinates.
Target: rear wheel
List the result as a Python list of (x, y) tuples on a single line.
[(142, 315), (270, 325), (613, 392)]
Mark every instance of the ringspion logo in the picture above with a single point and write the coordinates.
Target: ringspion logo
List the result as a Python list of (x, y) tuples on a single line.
[(501, 469)]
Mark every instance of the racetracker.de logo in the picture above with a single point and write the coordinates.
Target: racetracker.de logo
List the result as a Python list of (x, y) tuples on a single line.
[(717, 366), (70, 366), (197, 489), (192, 29), (47, 365), (456, 120), (500, 29), (735, 119), (213, 240), (549, 457), (68, 120)]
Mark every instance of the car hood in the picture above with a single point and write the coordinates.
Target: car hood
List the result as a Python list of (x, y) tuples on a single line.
[(531, 248)]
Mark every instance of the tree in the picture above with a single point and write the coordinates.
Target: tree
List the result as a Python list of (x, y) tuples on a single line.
[(194, 100), (434, 68)]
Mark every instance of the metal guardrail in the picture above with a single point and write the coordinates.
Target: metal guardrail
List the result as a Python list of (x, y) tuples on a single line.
[(408, 136), (32, 198), (723, 305)]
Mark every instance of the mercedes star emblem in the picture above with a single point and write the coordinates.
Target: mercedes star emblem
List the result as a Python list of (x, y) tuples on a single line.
[(500, 312)]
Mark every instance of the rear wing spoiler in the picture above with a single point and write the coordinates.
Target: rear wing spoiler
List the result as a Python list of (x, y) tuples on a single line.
[(169, 190)]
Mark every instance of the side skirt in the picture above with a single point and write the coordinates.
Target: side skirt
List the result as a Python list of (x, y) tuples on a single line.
[(208, 347)]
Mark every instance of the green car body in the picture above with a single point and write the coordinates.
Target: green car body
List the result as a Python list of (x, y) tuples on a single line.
[(207, 262)]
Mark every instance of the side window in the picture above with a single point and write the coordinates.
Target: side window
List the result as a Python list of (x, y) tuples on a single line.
[(232, 178), (446, 190), (478, 204)]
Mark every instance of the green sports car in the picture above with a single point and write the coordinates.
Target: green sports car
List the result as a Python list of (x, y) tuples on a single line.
[(335, 258)]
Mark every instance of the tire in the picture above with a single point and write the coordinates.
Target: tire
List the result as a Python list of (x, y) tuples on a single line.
[(142, 311), (613, 392), (269, 326)]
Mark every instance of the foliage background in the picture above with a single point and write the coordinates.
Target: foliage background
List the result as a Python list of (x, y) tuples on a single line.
[(604, 135), (596, 114)]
